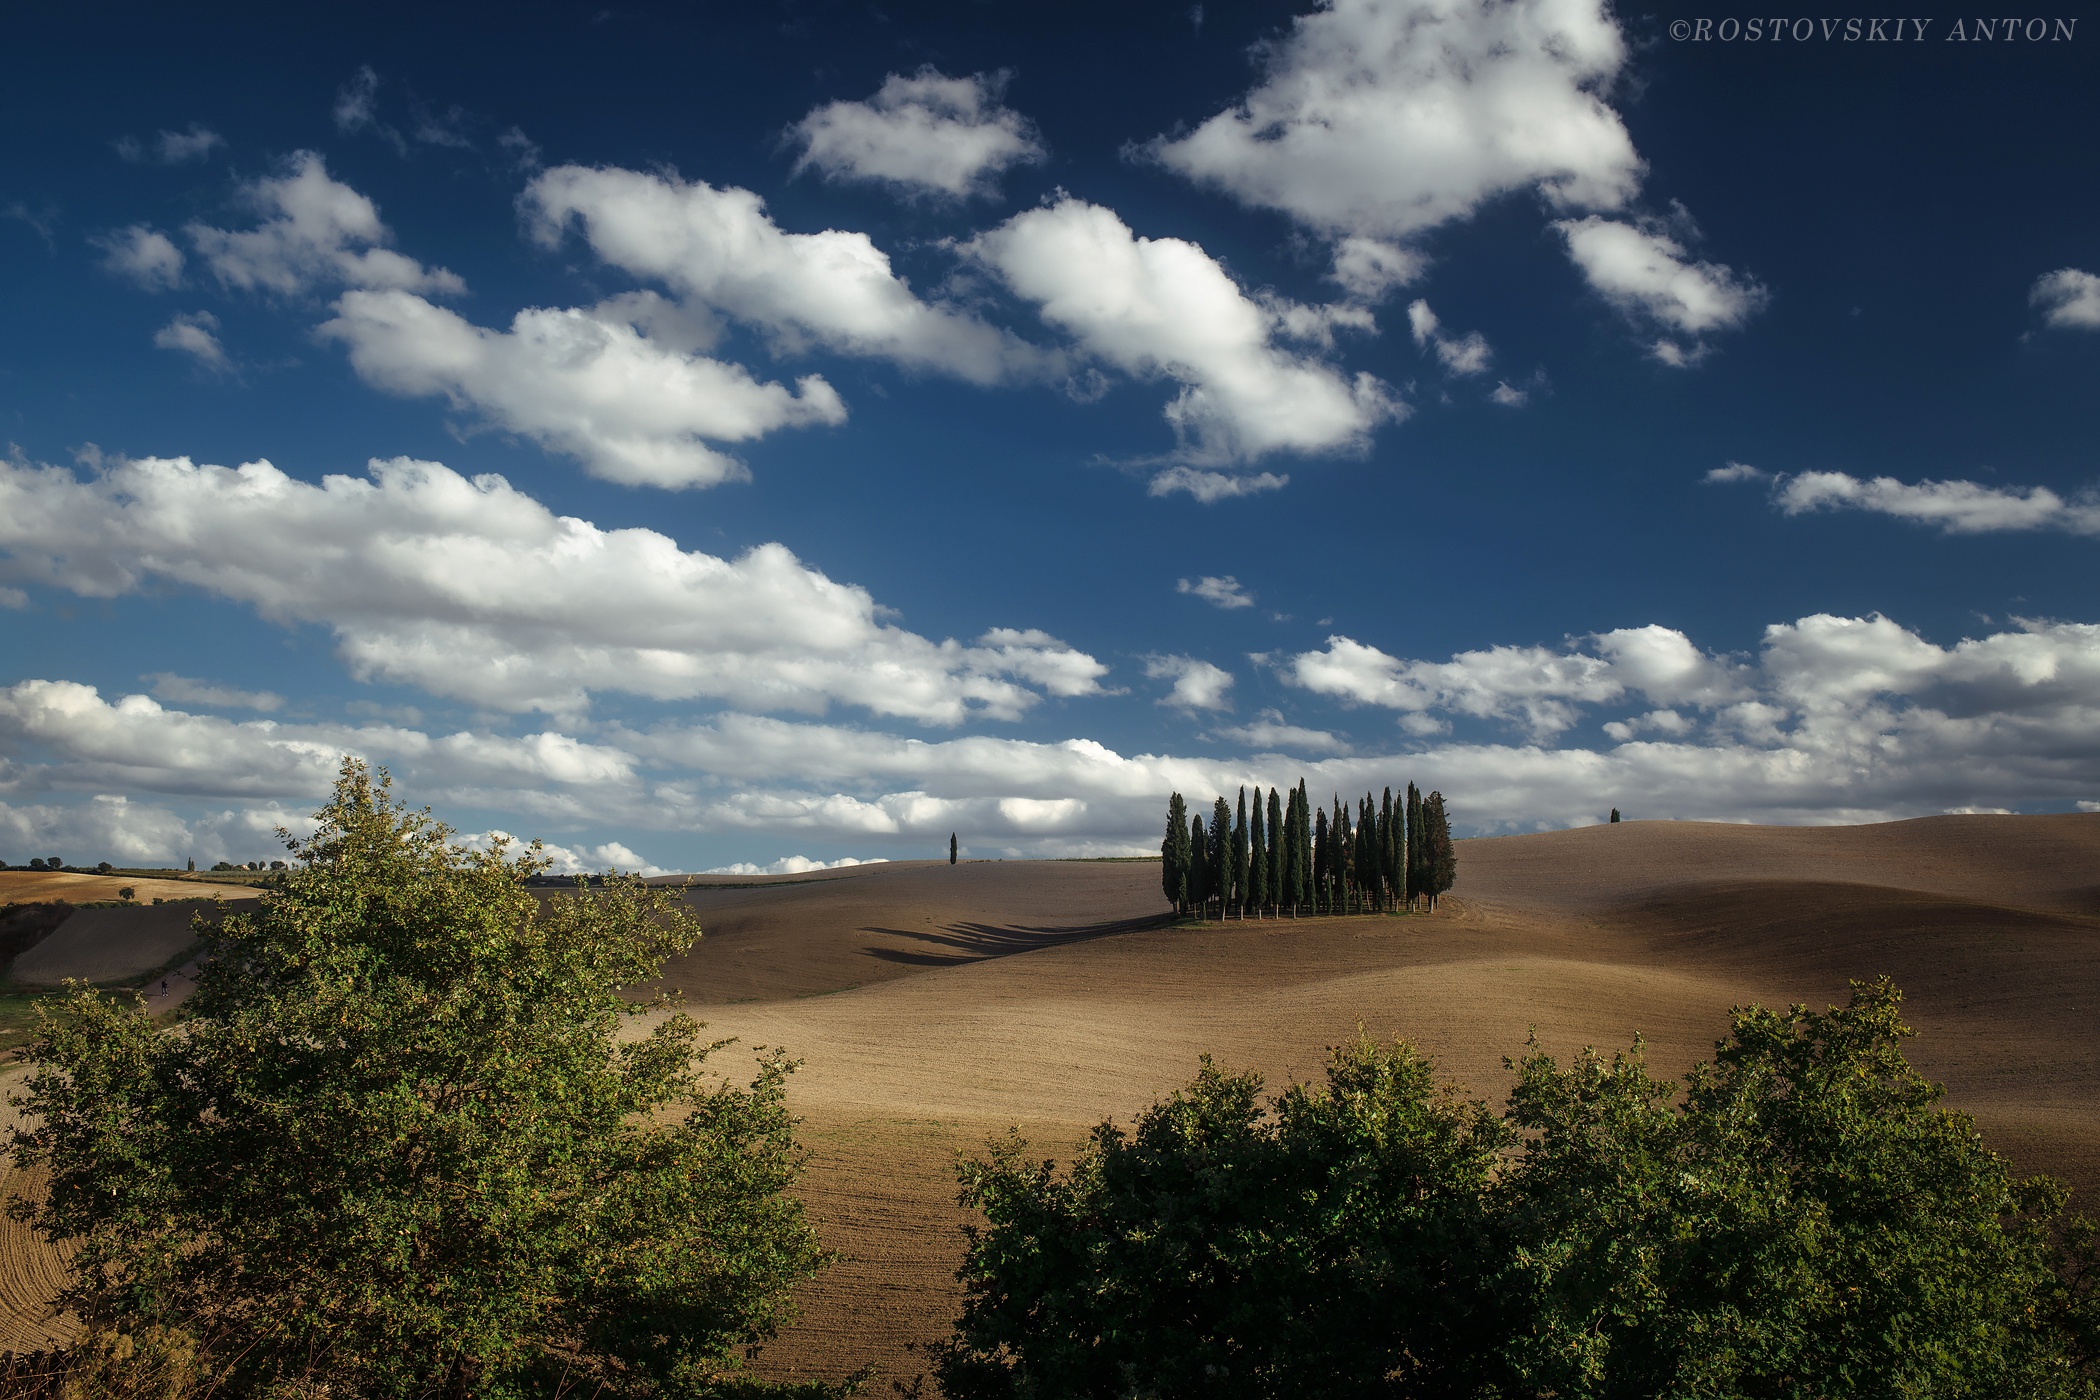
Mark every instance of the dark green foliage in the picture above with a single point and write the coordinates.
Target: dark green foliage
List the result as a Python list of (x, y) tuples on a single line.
[(951, 848), (1388, 870), (1313, 1247), (1275, 849), (1615, 816), (1199, 866), (1240, 853), (1798, 1221), (1803, 1223), (1257, 857), (1439, 857), (400, 1146), (1336, 861), (1294, 861), (1320, 859), (1174, 855), (1417, 874)]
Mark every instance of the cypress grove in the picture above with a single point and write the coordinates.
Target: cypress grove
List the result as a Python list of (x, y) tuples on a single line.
[(1373, 854)]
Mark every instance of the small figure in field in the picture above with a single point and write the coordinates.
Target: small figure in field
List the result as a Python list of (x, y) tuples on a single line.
[(951, 848)]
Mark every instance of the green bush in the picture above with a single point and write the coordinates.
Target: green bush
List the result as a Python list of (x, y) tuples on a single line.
[(1323, 1246), (1800, 1221)]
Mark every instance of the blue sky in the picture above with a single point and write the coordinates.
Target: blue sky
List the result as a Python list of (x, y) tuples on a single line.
[(707, 436)]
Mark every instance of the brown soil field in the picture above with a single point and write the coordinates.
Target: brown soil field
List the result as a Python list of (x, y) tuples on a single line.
[(109, 945), (936, 1006), (28, 886)]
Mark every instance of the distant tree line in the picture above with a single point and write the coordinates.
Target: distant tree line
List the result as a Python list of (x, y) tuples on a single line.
[(1287, 856)]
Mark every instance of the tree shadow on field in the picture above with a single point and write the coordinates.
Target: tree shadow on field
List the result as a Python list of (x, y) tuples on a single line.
[(975, 942)]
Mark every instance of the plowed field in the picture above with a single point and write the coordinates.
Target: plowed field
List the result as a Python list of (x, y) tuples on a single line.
[(935, 1006)]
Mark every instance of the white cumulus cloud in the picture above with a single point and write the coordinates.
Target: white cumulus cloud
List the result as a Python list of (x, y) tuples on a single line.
[(1198, 685), (1957, 507), (719, 249), (1269, 732), (1223, 592), (196, 334), (1834, 719), (1538, 688), (472, 589), (314, 232), (1647, 274), (2069, 298), (1466, 354), (925, 133), (792, 865), (587, 383), (1376, 120), (1164, 308), (142, 256)]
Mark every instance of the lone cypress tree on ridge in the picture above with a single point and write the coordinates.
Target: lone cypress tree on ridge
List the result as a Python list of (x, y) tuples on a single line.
[(951, 848)]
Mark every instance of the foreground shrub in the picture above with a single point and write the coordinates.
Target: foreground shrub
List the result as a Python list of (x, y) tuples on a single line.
[(1800, 1221), (398, 1148), (1319, 1247)]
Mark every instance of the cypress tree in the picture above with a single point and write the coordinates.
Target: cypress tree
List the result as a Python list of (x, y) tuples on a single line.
[(1305, 847), (1338, 858), (1615, 816), (1257, 858), (1199, 866), (1440, 864), (1287, 887), (1414, 844), (951, 848), (1221, 854), (1366, 853), (1275, 848), (1386, 871), (1240, 854), (1321, 854), (1174, 855)]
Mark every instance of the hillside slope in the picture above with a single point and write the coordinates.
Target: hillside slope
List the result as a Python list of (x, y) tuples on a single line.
[(935, 1006)]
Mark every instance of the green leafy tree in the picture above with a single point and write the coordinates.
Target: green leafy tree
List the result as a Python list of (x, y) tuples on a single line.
[(1799, 1221), (400, 1145), (1174, 854), (1318, 1246), (1220, 849), (1803, 1223)]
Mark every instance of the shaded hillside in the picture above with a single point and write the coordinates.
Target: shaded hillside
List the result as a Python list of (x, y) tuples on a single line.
[(797, 935)]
